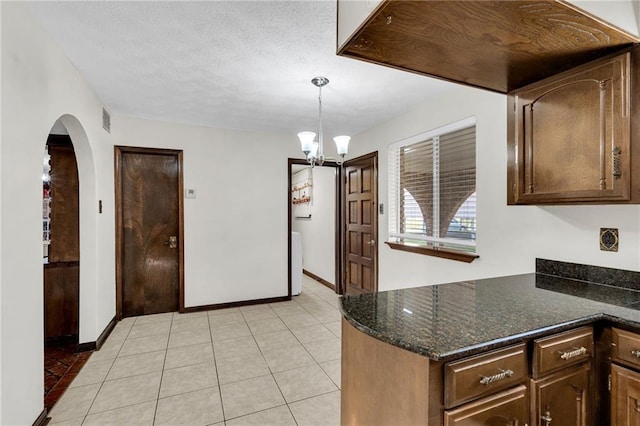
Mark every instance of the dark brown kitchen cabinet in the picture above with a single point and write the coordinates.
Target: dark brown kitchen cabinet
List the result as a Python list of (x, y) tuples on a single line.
[(570, 136), (508, 408), (546, 381), (625, 396), (563, 396), (625, 382), (497, 45)]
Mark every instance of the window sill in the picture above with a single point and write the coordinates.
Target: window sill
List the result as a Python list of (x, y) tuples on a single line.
[(460, 256)]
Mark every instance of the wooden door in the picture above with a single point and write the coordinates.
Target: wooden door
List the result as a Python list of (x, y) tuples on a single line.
[(361, 224), (149, 231), (562, 398), (625, 397), (62, 270)]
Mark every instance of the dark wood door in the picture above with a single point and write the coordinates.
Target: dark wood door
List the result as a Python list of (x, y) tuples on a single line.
[(625, 397), (149, 210), (361, 224), (562, 398), (62, 270)]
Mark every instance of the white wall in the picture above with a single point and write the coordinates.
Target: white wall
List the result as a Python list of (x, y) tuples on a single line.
[(509, 238), (621, 13), (236, 227), (39, 85), (318, 232)]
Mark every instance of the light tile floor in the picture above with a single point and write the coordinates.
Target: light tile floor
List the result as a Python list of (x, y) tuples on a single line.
[(275, 364)]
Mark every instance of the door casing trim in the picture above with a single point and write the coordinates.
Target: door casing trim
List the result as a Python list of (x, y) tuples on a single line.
[(338, 234), (118, 152)]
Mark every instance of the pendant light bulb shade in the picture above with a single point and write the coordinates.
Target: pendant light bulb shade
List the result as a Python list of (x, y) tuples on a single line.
[(306, 141), (342, 144), (314, 150)]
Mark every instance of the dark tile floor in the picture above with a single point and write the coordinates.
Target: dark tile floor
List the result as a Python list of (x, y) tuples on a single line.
[(61, 365)]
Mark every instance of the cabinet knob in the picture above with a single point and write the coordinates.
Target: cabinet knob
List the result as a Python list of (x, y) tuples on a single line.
[(635, 353)]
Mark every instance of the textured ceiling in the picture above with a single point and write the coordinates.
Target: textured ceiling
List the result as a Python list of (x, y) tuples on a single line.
[(229, 64)]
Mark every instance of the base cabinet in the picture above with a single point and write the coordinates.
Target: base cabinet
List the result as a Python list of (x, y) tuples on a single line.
[(625, 378), (383, 384), (562, 398), (507, 408), (625, 397)]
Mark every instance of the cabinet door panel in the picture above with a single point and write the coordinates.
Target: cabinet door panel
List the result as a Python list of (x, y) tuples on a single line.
[(572, 136), (508, 408), (562, 398), (625, 397)]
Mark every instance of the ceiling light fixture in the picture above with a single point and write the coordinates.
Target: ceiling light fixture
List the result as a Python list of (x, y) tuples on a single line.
[(313, 149)]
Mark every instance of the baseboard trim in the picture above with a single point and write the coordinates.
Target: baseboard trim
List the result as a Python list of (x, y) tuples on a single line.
[(42, 418), (106, 332), (86, 346), (92, 346), (320, 280), (215, 306)]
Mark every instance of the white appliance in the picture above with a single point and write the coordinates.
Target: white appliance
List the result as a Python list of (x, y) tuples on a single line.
[(296, 264)]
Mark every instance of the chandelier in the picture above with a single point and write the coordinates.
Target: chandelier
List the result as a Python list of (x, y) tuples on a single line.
[(313, 149)]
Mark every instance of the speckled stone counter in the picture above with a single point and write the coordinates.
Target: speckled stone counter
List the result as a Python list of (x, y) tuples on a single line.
[(449, 321)]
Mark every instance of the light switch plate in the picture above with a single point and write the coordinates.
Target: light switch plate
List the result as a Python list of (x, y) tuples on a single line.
[(609, 239), (189, 193)]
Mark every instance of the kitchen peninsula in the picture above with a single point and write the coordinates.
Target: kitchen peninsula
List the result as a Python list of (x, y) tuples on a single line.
[(500, 348)]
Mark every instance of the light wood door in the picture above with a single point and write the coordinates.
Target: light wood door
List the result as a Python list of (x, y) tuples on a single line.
[(562, 398), (625, 397), (361, 224), (149, 213)]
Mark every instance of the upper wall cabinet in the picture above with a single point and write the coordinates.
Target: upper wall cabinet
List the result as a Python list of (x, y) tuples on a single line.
[(497, 45), (569, 136)]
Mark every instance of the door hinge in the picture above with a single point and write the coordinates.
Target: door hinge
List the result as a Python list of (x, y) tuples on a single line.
[(609, 382)]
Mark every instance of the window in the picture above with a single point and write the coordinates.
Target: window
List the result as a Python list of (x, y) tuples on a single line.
[(432, 189)]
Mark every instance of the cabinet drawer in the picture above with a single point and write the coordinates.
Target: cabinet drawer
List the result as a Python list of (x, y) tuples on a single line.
[(625, 347), (562, 350), (509, 405), (484, 374)]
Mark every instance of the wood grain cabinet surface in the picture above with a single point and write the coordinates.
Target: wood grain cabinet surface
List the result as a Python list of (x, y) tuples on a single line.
[(497, 45), (570, 136), (508, 408), (625, 382), (383, 384), (562, 398), (625, 397)]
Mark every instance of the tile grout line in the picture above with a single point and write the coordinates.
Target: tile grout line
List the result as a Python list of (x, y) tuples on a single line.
[(106, 375), (215, 363), (166, 351)]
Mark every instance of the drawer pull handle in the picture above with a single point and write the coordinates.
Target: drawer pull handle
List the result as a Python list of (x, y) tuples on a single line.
[(636, 353), (486, 380), (574, 353)]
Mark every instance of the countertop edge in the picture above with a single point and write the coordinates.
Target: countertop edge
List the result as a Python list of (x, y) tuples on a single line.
[(491, 344)]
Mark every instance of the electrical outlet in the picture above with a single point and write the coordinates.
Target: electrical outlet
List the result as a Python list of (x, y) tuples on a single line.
[(609, 239)]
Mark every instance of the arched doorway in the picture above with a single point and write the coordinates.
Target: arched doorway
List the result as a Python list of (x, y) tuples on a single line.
[(63, 248)]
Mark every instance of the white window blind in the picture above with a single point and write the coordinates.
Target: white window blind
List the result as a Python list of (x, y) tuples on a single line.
[(432, 185)]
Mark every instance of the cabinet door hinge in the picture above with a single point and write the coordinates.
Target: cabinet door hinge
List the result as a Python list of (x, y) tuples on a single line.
[(609, 382)]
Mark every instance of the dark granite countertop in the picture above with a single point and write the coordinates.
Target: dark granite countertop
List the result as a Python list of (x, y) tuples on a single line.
[(448, 321)]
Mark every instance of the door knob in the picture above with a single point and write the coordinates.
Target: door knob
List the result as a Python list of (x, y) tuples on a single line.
[(172, 242), (372, 242)]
